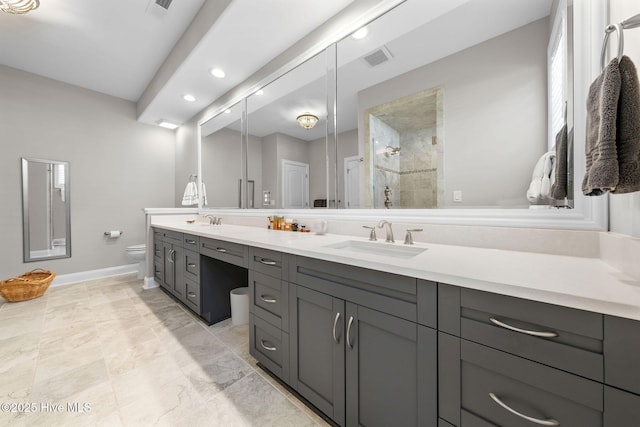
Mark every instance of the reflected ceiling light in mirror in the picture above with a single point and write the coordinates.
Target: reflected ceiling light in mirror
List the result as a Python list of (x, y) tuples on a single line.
[(218, 73), (18, 7), (260, 92), (307, 120), (167, 125), (189, 98), (227, 111), (361, 33)]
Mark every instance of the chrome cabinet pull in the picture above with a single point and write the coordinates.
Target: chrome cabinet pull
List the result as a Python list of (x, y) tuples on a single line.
[(191, 294), (549, 422), (223, 250), (191, 265), (266, 347), (335, 324), (266, 261), (170, 257), (191, 242), (268, 299), (523, 331), (349, 332)]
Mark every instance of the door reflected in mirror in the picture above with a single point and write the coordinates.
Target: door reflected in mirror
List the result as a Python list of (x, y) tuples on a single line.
[(45, 210)]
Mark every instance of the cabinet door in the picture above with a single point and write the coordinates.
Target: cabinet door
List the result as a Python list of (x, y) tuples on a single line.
[(168, 266), (391, 367), (179, 285), (317, 349)]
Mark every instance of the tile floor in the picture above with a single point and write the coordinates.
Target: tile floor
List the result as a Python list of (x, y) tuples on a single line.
[(134, 358)]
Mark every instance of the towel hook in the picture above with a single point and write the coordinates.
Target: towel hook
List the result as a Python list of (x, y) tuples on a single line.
[(610, 29)]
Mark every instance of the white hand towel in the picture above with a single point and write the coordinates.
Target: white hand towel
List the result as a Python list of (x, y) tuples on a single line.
[(190, 196), (540, 187)]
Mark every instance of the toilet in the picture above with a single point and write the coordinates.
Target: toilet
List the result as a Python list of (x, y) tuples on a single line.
[(138, 253)]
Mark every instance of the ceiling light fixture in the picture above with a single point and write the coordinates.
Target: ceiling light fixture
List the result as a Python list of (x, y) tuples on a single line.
[(167, 125), (227, 111), (18, 7), (361, 33), (307, 120), (260, 92), (218, 73), (189, 98)]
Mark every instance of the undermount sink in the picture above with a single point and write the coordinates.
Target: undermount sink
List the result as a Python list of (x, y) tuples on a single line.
[(374, 248)]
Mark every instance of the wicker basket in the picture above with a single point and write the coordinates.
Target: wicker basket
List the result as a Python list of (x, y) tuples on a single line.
[(30, 285)]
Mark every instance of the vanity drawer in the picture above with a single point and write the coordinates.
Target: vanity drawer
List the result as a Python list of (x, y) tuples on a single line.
[(390, 293), (191, 242), (270, 346), (272, 263), (269, 299), (561, 337), (192, 295), (490, 378), (174, 237), (192, 265), (157, 234), (232, 253)]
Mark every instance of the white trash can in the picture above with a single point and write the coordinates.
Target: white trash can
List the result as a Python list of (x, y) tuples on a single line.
[(240, 306)]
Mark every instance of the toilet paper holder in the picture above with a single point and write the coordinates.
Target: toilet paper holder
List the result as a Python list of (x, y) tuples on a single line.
[(114, 234)]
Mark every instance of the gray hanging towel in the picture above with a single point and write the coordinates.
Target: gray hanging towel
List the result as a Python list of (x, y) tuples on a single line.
[(559, 187), (602, 105), (628, 129)]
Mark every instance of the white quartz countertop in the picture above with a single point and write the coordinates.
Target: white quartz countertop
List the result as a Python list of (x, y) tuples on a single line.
[(577, 282)]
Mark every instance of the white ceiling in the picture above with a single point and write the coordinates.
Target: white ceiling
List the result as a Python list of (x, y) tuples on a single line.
[(116, 47)]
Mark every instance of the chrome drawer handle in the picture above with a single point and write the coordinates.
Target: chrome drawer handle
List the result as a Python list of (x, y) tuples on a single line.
[(191, 242), (223, 250), (523, 331), (266, 261), (349, 332), (191, 294), (268, 299), (191, 265), (171, 258), (266, 347), (549, 422), (335, 324)]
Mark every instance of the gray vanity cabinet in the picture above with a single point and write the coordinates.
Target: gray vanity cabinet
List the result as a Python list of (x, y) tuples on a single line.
[(512, 362), (357, 351), (172, 278)]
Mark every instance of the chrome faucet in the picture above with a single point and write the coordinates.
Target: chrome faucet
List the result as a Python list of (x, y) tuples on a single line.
[(389, 230), (212, 219)]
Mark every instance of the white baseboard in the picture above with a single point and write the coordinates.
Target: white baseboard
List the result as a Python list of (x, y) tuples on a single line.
[(67, 279)]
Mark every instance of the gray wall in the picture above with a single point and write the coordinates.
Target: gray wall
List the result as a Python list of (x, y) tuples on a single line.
[(118, 166), (487, 155), (625, 208), (186, 154), (221, 168)]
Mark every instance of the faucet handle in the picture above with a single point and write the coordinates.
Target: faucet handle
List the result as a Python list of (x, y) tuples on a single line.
[(372, 235), (408, 239)]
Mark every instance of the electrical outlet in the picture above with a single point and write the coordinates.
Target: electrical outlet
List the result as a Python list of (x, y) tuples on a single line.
[(457, 195)]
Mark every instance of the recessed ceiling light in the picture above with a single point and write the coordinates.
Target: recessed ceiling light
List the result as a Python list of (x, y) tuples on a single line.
[(168, 125), (260, 92), (218, 72), (361, 33), (227, 111), (189, 98)]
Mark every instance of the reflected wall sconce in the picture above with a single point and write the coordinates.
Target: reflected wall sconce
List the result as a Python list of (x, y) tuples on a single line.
[(307, 120), (18, 7)]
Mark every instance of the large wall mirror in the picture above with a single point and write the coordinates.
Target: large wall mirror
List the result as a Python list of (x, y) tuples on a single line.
[(447, 105), (450, 112), (45, 210), (287, 127)]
